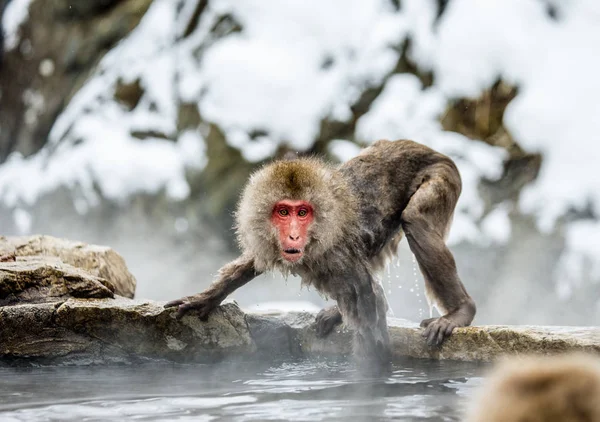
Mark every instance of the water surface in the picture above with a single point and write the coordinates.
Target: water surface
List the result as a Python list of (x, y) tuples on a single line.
[(302, 390)]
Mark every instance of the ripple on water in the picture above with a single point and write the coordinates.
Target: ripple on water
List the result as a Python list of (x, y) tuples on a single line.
[(303, 390)]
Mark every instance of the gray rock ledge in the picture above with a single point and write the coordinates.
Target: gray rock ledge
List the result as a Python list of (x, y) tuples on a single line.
[(84, 331)]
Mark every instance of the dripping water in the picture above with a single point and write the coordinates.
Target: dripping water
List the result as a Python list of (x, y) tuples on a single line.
[(389, 278), (416, 288), (388, 292)]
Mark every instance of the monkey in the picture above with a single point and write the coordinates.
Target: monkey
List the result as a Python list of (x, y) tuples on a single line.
[(337, 227), (540, 389)]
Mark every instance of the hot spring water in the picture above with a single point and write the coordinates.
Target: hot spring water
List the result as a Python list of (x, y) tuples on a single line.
[(303, 390)]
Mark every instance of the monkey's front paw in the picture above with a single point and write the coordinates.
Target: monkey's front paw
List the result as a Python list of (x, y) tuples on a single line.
[(437, 330), (327, 319), (201, 304)]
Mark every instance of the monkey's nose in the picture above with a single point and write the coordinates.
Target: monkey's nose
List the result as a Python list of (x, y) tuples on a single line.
[(294, 237)]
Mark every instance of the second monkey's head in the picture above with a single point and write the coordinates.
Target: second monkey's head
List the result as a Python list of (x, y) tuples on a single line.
[(293, 212)]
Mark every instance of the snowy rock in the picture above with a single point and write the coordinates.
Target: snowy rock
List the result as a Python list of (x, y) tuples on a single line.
[(49, 48)]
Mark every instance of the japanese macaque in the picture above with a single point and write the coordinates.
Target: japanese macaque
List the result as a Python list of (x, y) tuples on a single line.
[(540, 389), (337, 226)]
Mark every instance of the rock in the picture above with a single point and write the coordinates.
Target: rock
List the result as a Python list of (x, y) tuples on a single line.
[(486, 343), (78, 331), (274, 336), (483, 343), (99, 261), (129, 94), (118, 330), (47, 279)]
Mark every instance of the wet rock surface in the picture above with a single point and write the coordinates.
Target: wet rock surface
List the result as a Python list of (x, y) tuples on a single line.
[(478, 343), (98, 331), (88, 331)]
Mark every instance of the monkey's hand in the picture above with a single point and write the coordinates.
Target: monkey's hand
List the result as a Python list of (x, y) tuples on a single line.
[(437, 330), (201, 303), (327, 319)]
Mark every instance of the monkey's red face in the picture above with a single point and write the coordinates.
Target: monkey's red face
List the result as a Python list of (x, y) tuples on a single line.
[(292, 220)]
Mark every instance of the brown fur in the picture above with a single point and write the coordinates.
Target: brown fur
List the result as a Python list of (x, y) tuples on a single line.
[(541, 389), (361, 211), (306, 179)]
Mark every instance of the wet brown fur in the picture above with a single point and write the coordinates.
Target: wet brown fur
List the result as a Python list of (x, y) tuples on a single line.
[(540, 389), (308, 179), (361, 211)]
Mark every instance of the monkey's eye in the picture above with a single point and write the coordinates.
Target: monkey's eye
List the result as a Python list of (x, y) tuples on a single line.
[(283, 212), (302, 213)]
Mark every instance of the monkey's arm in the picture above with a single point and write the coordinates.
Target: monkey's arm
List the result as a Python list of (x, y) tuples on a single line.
[(231, 277)]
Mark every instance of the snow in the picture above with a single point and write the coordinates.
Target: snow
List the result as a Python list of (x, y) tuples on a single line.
[(291, 67), (555, 66), (556, 69), (343, 150), (297, 62), (91, 144), (496, 225), (106, 158), (16, 12)]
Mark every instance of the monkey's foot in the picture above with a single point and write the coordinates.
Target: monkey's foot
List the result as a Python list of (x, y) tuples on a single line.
[(327, 319), (203, 305), (437, 330)]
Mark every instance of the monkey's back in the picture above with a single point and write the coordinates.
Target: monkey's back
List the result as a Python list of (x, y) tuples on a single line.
[(384, 176)]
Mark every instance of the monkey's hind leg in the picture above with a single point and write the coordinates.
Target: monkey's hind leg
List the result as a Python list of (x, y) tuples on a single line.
[(364, 309), (327, 319), (425, 221)]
